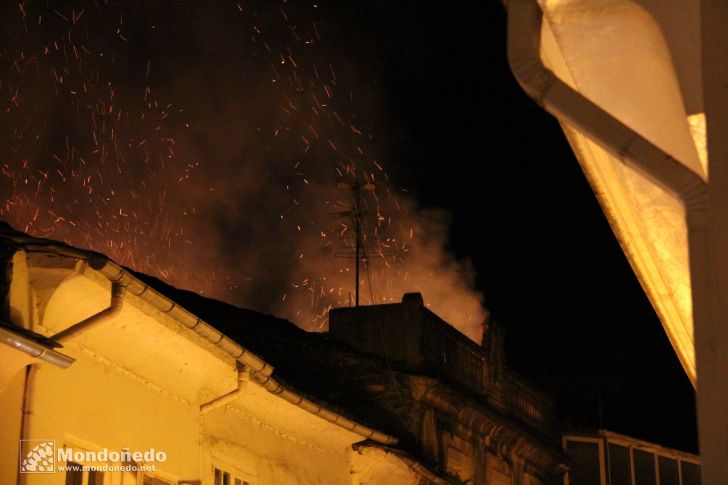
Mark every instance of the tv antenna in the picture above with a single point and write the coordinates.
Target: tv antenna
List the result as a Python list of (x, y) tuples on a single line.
[(356, 214)]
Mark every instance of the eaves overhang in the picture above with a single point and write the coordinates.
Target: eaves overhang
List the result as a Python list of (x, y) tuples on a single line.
[(260, 371), (605, 70)]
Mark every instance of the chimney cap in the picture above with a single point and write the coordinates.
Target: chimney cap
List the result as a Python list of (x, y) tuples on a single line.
[(414, 299)]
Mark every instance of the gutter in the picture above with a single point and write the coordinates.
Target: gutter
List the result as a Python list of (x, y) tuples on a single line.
[(274, 387), (260, 371), (119, 276), (34, 349), (559, 99)]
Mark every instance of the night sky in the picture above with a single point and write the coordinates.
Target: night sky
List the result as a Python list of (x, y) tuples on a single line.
[(553, 275), (447, 119)]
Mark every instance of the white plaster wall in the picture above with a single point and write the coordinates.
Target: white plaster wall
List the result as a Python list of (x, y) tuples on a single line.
[(276, 442), (94, 404)]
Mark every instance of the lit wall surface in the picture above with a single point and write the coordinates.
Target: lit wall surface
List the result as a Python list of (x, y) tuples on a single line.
[(615, 54), (143, 381)]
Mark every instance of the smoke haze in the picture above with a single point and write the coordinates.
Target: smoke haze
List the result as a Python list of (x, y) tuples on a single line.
[(206, 144)]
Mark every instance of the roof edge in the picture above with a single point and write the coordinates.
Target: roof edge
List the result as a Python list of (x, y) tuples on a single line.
[(260, 370)]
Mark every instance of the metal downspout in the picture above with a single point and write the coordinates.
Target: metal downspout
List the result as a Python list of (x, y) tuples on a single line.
[(117, 301), (117, 298), (26, 413), (243, 378), (260, 371), (123, 281), (34, 349)]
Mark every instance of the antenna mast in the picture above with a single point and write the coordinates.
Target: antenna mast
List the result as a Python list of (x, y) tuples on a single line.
[(356, 215)]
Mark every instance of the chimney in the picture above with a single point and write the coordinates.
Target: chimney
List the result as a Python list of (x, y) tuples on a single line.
[(391, 331)]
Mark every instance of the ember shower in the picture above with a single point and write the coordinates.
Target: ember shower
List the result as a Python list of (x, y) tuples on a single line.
[(204, 145)]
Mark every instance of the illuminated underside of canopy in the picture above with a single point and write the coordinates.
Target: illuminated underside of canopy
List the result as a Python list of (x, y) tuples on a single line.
[(613, 53)]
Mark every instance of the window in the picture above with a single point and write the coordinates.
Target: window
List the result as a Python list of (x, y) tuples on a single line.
[(644, 468), (690, 473), (668, 471), (625, 461), (222, 477), (95, 478), (587, 465), (150, 480), (619, 467), (75, 475), (129, 476)]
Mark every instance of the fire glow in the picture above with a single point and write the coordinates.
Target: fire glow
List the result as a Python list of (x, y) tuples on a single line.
[(210, 157)]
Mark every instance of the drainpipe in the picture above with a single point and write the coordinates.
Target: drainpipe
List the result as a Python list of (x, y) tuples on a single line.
[(34, 349), (26, 412), (39, 352), (243, 378), (259, 370), (118, 275), (117, 300)]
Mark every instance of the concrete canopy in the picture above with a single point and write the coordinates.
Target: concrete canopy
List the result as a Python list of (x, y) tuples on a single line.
[(639, 89), (615, 54)]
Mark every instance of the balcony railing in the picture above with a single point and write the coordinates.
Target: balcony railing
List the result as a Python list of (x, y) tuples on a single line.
[(527, 403), (413, 336), (460, 360)]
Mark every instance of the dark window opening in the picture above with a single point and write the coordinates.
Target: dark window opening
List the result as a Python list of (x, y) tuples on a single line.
[(586, 469)]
